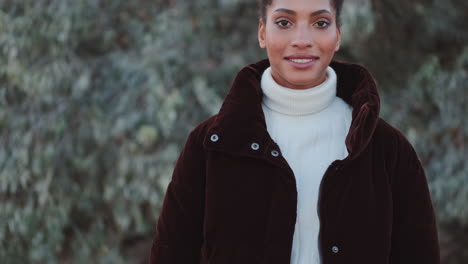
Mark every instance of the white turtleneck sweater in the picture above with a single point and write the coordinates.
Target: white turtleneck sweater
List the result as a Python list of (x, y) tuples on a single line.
[(310, 127)]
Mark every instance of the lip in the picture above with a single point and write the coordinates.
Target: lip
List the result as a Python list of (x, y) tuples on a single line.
[(303, 65)]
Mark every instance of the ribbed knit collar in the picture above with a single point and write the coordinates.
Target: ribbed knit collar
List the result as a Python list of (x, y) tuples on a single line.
[(298, 101)]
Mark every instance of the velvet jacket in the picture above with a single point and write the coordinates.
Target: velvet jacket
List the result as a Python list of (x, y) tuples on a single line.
[(229, 203)]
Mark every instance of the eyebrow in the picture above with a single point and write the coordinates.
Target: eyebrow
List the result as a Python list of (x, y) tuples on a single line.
[(315, 13)]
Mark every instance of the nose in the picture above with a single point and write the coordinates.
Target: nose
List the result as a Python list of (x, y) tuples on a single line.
[(302, 37)]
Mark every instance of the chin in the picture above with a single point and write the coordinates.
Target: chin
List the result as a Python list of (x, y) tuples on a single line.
[(301, 81)]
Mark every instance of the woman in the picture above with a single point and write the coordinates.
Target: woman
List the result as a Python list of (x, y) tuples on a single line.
[(297, 167)]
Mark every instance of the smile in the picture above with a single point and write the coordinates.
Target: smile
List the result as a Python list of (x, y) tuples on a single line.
[(301, 60)]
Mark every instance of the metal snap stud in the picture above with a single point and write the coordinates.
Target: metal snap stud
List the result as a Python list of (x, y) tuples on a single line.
[(335, 249), (214, 137), (255, 146)]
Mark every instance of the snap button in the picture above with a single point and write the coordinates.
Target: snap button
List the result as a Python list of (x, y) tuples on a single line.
[(335, 249), (214, 137), (255, 146), (274, 153)]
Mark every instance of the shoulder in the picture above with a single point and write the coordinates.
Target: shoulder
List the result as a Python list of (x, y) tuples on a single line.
[(193, 153), (198, 133), (394, 144), (390, 135)]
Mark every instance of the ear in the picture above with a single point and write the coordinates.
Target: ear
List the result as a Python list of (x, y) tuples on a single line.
[(338, 43), (261, 34)]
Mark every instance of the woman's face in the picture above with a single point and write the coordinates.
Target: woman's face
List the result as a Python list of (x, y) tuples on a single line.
[(300, 37)]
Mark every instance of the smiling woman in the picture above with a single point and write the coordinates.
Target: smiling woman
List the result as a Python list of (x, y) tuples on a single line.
[(300, 45), (297, 167)]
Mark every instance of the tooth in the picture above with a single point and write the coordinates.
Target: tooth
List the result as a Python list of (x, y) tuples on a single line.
[(302, 60)]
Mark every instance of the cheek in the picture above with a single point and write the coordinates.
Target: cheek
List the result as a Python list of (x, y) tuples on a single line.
[(276, 44), (328, 43)]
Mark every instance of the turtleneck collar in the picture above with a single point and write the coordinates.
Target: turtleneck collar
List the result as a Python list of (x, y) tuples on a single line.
[(298, 101), (241, 118)]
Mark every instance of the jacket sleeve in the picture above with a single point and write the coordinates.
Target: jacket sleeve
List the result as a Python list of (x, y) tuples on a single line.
[(414, 231), (179, 229)]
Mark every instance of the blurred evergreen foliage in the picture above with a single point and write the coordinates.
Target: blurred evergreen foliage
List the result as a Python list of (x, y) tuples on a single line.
[(98, 96)]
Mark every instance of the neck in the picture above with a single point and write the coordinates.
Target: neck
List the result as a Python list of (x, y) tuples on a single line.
[(298, 101)]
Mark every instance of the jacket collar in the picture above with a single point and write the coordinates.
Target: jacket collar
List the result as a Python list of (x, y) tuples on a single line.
[(241, 121)]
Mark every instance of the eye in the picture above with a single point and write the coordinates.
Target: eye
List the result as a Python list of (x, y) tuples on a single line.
[(322, 24), (283, 23)]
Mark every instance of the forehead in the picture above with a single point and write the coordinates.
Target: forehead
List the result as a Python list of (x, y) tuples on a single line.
[(298, 5)]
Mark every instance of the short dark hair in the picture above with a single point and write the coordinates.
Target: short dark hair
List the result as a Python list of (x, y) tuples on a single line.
[(263, 4)]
